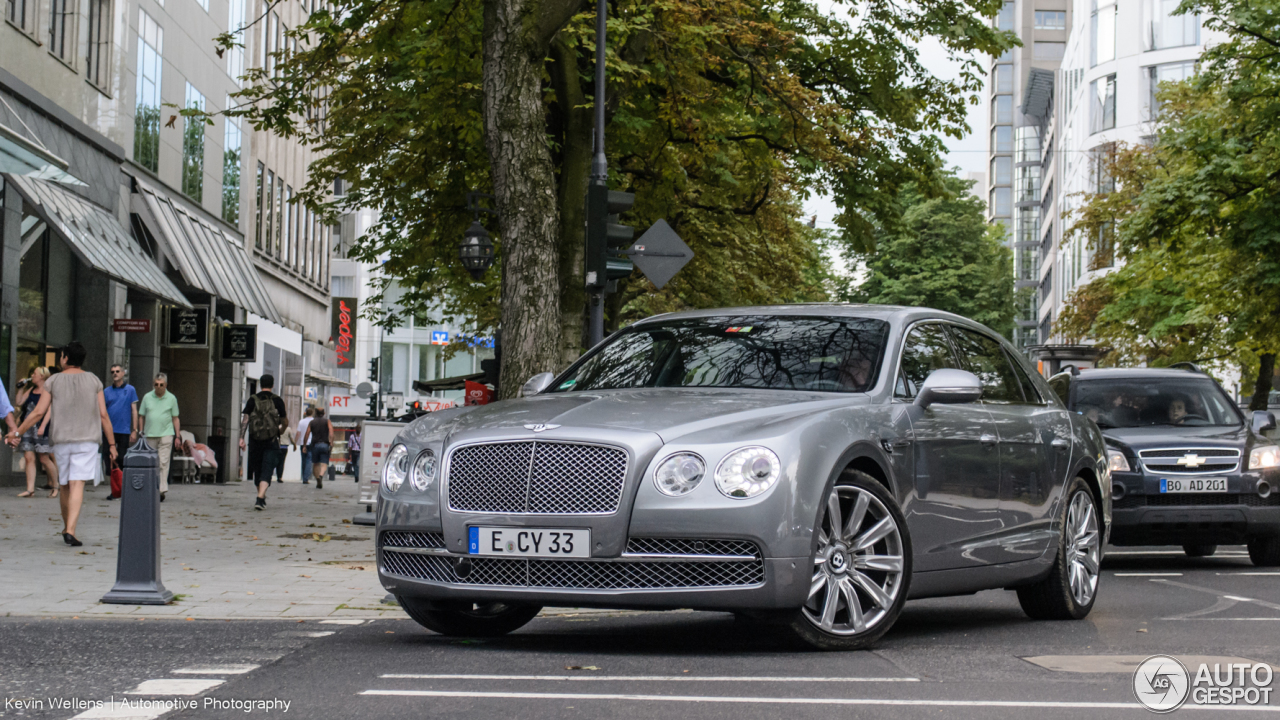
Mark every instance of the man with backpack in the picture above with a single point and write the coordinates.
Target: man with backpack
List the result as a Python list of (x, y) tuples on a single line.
[(263, 419)]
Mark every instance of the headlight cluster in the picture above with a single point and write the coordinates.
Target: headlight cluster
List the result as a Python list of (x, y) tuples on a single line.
[(743, 473), (1116, 461), (397, 469), (1267, 456)]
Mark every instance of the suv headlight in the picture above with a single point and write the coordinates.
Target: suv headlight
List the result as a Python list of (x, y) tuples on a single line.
[(1267, 456), (1116, 461), (747, 472), (396, 468), (424, 471), (679, 474)]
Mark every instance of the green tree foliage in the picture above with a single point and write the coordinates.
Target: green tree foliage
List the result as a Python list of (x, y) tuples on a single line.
[(722, 116), (942, 255), (1197, 213)]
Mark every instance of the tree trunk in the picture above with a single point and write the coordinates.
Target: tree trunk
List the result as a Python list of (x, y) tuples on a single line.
[(575, 171), (516, 36), (1262, 387)]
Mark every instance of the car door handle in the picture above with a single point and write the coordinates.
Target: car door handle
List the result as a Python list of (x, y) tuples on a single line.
[(1060, 445), (988, 439)]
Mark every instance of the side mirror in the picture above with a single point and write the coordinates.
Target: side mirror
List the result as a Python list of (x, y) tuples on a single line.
[(949, 386), (1263, 421), (536, 384)]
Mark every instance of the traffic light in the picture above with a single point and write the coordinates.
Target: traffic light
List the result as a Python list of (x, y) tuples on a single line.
[(374, 363), (606, 236), (372, 412)]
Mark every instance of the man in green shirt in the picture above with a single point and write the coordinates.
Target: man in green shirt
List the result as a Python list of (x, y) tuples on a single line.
[(159, 411)]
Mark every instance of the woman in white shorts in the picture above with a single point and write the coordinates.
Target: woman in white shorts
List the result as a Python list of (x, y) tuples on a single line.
[(81, 419)]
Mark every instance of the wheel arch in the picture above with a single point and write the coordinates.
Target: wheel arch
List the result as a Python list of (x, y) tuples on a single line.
[(1091, 479)]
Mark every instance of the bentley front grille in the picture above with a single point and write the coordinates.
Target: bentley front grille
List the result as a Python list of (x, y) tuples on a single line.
[(536, 477)]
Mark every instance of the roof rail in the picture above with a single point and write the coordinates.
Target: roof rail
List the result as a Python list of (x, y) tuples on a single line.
[(1188, 365)]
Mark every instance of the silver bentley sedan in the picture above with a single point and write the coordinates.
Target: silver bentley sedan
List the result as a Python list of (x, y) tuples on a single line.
[(813, 465)]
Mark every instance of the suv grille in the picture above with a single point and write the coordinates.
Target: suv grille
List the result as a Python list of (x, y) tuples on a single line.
[(579, 574), (1165, 461), (537, 477)]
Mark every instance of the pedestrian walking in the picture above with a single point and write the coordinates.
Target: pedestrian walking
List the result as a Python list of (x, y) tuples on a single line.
[(319, 436), (35, 444), (353, 452), (287, 439), (163, 429), (80, 409), (306, 452), (263, 419), (122, 408)]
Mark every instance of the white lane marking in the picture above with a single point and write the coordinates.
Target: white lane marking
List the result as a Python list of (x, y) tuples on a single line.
[(317, 633), (343, 621), (1248, 573), (794, 701), (118, 711), (649, 678), (216, 670), (1237, 597), (1120, 574), (175, 686), (1270, 619)]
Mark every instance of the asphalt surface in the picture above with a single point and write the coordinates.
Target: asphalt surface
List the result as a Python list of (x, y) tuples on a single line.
[(968, 657)]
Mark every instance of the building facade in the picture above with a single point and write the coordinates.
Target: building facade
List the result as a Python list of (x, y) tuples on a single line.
[(116, 207)]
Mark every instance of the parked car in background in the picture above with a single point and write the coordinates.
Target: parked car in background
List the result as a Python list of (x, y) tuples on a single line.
[(817, 465), (1187, 467)]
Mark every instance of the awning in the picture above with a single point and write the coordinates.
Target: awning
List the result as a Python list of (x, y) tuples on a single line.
[(96, 238), (321, 378), (206, 257), (458, 382), (20, 156)]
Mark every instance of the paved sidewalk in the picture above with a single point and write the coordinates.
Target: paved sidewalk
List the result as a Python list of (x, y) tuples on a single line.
[(220, 557)]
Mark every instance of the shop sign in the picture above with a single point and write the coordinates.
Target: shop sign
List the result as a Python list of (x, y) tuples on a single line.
[(343, 330), (477, 393), (439, 337), (131, 325), (240, 343), (188, 328)]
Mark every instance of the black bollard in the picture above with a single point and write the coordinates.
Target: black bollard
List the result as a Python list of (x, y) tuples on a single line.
[(138, 559)]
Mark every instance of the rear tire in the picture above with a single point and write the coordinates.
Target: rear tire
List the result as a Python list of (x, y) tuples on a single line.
[(1199, 551), (1265, 551), (1070, 589), (861, 570), (466, 619)]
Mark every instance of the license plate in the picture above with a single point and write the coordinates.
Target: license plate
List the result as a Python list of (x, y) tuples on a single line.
[(1193, 485), (529, 542)]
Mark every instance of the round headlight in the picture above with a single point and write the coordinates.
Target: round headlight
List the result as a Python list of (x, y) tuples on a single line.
[(747, 472), (424, 471), (397, 467), (679, 474)]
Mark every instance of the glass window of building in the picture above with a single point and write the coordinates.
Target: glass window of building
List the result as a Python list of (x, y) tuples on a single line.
[(1002, 109), (97, 59), (193, 147), (235, 54), (62, 30), (1002, 139), (1001, 170), (1102, 97), (19, 14), (1050, 20), (1004, 78), (1169, 72), (1002, 202), (146, 119), (279, 218), (1168, 30), (267, 222), (257, 209), (231, 172), (1102, 46), (286, 249), (1004, 21), (1048, 50)]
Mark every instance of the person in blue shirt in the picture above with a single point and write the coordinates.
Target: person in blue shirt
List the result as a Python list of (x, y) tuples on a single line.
[(122, 408)]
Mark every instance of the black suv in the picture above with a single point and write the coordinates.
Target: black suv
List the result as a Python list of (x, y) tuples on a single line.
[(1186, 467)]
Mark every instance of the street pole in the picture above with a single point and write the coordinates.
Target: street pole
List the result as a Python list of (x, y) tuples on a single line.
[(599, 167)]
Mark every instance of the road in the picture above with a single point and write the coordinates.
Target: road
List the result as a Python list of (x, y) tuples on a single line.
[(969, 657)]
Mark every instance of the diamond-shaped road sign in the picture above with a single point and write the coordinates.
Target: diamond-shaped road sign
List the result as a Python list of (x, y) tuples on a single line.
[(659, 253)]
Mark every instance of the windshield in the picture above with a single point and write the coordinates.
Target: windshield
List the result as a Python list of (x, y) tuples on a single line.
[(784, 353), (1141, 402)]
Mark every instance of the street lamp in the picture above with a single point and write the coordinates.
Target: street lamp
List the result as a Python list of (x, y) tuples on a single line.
[(476, 250)]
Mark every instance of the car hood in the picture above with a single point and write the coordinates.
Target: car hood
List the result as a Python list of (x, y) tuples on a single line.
[(666, 412), (1168, 436)]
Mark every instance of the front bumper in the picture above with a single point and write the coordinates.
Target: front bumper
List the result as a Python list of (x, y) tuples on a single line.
[(1144, 516)]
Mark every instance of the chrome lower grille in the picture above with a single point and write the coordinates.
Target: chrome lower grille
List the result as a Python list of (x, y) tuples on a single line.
[(578, 574), (536, 477), (396, 538), (691, 546)]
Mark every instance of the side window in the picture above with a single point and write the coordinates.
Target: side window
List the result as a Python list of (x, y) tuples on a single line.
[(985, 358), (1029, 388), (926, 349), (1061, 386)]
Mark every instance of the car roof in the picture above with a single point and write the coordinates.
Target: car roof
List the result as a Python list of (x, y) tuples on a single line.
[(889, 313), (1121, 373)]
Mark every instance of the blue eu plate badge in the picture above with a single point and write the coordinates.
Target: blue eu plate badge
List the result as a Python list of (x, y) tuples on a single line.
[(473, 540), (1164, 488)]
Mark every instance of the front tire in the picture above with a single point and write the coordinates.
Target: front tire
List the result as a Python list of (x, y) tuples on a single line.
[(861, 569), (466, 619), (1265, 551), (1199, 551), (1070, 589)]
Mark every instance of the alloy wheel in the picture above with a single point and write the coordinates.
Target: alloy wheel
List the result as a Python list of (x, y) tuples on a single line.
[(858, 566), (1083, 543)]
